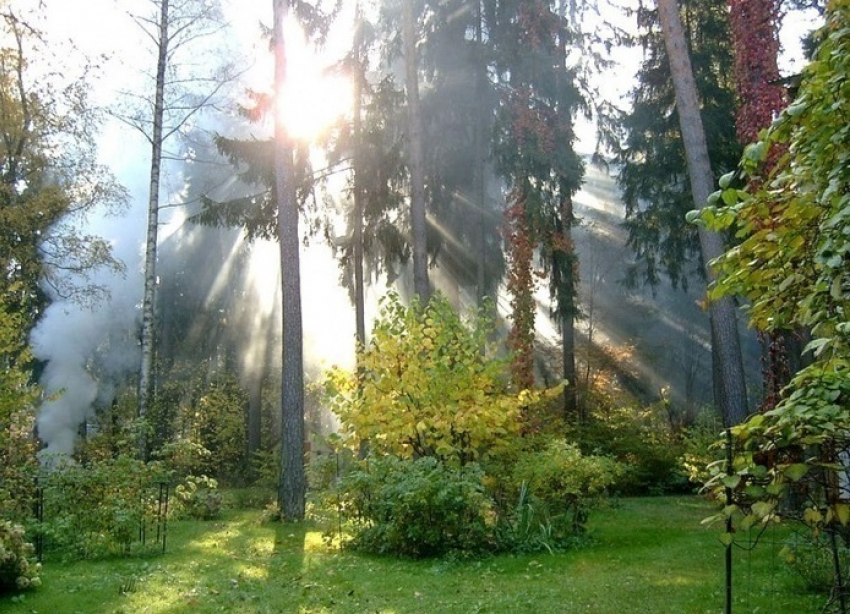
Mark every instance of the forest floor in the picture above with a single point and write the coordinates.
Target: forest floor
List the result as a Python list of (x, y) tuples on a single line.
[(645, 555)]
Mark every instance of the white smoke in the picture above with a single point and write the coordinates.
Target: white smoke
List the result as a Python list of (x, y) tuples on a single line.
[(87, 351)]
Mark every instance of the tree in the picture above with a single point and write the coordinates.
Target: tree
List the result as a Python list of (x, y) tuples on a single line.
[(178, 96), (653, 169), (416, 163), (791, 266), (293, 485), (535, 155), (49, 177), (49, 182), (761, 96), (729, 371), (18, 398)]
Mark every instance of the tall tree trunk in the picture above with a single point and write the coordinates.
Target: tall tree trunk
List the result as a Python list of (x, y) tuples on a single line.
[(292, 490), (568, 311), (417, 165), (480, 163), (359, 294), (149, 301), (255, 408), (724, 329)]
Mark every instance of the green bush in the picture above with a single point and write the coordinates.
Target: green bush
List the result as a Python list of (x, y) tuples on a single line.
[(563, 486), (813, 562), (416, 508), (198, 498), (643, 439), (18, 569), (183, 457), (100, 509)]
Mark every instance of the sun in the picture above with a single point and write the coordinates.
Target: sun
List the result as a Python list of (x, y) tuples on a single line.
[(313, 98)]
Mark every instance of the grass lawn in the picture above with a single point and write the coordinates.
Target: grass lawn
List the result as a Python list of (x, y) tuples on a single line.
[(649, 555)]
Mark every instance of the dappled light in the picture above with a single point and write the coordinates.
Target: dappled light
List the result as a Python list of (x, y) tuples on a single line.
[(424, 306)]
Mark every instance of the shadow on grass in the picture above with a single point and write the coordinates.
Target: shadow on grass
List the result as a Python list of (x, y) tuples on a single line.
[(650, 555)]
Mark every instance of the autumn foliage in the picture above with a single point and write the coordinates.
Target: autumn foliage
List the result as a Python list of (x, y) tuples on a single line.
[(426, 389)]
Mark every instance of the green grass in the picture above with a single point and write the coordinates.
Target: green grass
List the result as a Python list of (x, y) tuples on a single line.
[(648, 555)]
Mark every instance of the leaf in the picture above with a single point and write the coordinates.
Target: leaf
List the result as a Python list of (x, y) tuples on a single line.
[(729, 197), (796, 471), (726, 180), (732, 481), (842, 512), (725, 539), (763, 509), (812, 516)]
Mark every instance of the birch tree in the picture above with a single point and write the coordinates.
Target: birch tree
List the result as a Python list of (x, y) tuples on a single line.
[(181, 89)]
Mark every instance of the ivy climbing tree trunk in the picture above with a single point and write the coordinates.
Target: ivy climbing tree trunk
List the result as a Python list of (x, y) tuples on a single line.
[(757, 81), (729, 369), (292, 489), (761, 96), (416, 161), (149, 300)]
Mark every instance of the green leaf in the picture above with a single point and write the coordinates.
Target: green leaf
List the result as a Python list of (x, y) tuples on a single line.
[(725, 539), (763, 509), (726, 180), (729, 197), (842, 512), (796, 471), (732, 481)]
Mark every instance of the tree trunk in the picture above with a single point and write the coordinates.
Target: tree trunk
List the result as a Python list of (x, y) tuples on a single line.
[(417, 166), (724, 328), (292, 490), (149, 301), (568, 312), (255, 408), (359, 294), (480, 164)]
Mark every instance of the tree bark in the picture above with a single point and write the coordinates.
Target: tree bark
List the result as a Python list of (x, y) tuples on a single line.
[(359, 293), (725, 341), (417, 166), (149, 300), (292, 490), (568, 312)]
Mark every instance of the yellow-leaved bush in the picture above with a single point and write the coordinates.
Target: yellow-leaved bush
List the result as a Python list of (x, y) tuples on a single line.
[(427, 386)]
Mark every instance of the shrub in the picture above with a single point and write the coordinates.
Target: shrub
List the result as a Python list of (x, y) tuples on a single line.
[(219, 426), (424, 387), (183, 457), (198, 497), (100, 509), (18, 569), (813, 562), (565, 485), (416, 508), (643, 440)]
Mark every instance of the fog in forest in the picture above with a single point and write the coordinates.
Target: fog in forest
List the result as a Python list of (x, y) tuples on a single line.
[(218, 302)]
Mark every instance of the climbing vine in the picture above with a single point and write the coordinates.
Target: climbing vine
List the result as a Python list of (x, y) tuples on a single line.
[(793, 268)]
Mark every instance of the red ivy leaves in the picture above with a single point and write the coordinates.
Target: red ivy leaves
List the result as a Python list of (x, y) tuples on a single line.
[(520, 285), (756, 44)]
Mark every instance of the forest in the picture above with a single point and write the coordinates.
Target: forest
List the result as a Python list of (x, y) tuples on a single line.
[(449, 283)]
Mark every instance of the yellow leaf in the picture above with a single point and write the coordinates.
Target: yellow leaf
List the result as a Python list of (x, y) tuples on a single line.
[(842, 512), (812, 516)]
